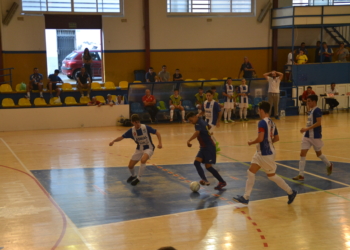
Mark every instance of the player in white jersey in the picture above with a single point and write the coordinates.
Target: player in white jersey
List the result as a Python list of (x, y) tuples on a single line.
[(312, 137), (140, 133), (229, 103), (265, 156), (243, 92)]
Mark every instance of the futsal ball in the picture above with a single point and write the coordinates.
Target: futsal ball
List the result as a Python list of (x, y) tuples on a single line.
[(194, 186)]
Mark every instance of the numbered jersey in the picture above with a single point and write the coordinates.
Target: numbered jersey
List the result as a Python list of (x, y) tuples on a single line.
[(270, 130), (141, 136), (243, 89), (228, 89), (211, 110), (315, 133)]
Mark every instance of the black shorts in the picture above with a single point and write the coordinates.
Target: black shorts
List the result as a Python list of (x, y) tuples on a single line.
[(54, 86), (208, 155), (35, 86)]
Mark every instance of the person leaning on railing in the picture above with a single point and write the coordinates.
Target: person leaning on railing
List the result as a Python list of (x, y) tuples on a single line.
[(301, 58), (342, 53)]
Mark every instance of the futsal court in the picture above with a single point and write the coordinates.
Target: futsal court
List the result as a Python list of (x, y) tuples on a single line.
[(66, 189)]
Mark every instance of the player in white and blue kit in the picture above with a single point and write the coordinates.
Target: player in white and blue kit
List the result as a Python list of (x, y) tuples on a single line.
[(229, 103), (243, 92), (265, 156), (312, 137), (141, 134)]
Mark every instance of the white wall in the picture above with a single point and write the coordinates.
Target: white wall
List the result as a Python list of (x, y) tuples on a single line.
[(309, 36)]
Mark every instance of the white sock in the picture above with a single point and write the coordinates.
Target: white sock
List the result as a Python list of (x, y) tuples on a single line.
[(281, 183), (225, 114), (141, 170), (41, 94), (249, 184), (183, 114), (245, 113), (240, 113), (28, 94), (229, 114), (171, 114), (325, 160), (132, 171), (302, 163)]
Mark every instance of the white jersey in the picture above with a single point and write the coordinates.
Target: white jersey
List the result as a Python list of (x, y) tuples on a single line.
[(142, 138), (243, 89), (228, 89), (211, 110), (266, 146)]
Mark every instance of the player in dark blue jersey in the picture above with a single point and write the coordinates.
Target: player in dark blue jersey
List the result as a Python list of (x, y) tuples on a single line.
[(312, 138), (207, 151), (141, 134)]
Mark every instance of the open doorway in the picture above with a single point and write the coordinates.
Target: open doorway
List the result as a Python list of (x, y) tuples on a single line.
[(64, 49)]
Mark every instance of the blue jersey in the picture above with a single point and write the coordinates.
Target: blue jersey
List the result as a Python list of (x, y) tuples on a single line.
[(243, 89), (228, 89), (36, 77), (54, 78), (315, 133), (211, 110), (270, 130), (141, 136), (204, 137)]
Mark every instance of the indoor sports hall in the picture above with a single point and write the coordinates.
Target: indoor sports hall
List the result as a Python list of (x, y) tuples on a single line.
[(63, 187)]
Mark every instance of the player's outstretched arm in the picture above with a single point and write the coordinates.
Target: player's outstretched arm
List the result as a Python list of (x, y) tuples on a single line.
[(194, 136), (259, 139), (276, 138), (317, 124), (159, 140), (219, 119), (116, 140)]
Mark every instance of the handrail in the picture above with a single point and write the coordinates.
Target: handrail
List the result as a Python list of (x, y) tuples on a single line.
[(2, 80)]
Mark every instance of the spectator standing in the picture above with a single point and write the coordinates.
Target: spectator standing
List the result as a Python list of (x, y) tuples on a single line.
[(326, 53), (302, 48), (301, 58), (342, 53), (289, 68), (274, 79), (35, 83), (83, 82), (149, 102), (164, 75), (331, 101), (177, 76), (229, 103), (94, 102), (52, 84), (87, 62), (247, 69), (151, 75), (317, 53)]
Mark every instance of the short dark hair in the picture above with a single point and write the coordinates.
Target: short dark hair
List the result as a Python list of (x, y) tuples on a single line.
[(166, 248), (332, 83), (341, 43), (200, 88), (176, 90), (229, 77), (150, 67), (35, 68), (213, 87), (313, 98), (309, 87), (324, 43), (164, 66), (302, 43), (189, 115), (57, 71), (176, 69), (318, 42), (209, 91), (264, 106), (135, 118)]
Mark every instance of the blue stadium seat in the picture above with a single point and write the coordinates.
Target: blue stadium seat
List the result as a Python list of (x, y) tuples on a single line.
[(257, 100), (187, 104), (162, 106), (136, 108)]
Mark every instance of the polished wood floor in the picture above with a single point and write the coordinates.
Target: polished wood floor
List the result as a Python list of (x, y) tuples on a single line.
[(31, 219)]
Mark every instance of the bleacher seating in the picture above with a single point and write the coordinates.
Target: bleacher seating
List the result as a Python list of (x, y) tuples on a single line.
[(136, 108), (123, 84), (5, 88), (24, 102), (8, 103), (100, 98), (67, 86), (95, 85), (18, 88), (84, 100), (70, 100), (40, 102), (109, 85), (52, 101)]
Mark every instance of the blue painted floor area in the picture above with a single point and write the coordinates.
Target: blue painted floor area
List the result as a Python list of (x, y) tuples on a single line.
[(96, 196)]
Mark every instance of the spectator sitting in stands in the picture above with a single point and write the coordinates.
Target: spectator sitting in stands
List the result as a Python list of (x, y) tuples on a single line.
[(247, 69), (149, 102), (305, 94), (35, 83), (109, 100), (331, 101), (83, 82), (301, 58), (157, 78), (151, 75), (177, 76), (120, 100), (94, 102), (342, 53), (326, 53), (302, 48), (200, 98), (164, 75), (176, 103), (317, 52), (53, 80)]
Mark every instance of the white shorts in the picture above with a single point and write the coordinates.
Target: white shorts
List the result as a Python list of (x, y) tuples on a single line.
[(306, 143), (243, 105), (139, 153), (266, 162), (228, 105)]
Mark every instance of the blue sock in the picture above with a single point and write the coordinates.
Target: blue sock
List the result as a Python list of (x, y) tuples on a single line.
[(215, 174), (200, 171)]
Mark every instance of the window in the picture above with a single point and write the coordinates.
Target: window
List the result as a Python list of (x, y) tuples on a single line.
[(320, 2), (209, 6), (86, 6)]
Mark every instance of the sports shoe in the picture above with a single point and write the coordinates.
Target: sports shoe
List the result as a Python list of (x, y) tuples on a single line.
[(217, 148), (58, 100), (240, 199), (130, 179), (204, 183), (277, 117), (27, 96), (245, 119), (220, 186), (230, 121), (241, 120), (298, 178), (135, 182), (225, 121), (330, 169), (292, 196)]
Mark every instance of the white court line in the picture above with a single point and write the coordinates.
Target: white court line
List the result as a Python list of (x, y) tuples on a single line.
[(330, 156), (68, 219)]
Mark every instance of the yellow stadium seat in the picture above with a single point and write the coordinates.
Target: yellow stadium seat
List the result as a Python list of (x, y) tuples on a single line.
[(188, 80), (95, 85), (8, 103), (225, 78), (5, 88), (67, 86), (109, 85), (40, 102), (213, 78), (52, 101), (24, 102), (84, 100), (114, 98), (70, 100), (18, 88), (100, 98), (201, 79), (123, 84), (136, 81)]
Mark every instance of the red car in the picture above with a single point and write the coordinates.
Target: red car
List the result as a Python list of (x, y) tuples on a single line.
[(73, 62)]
